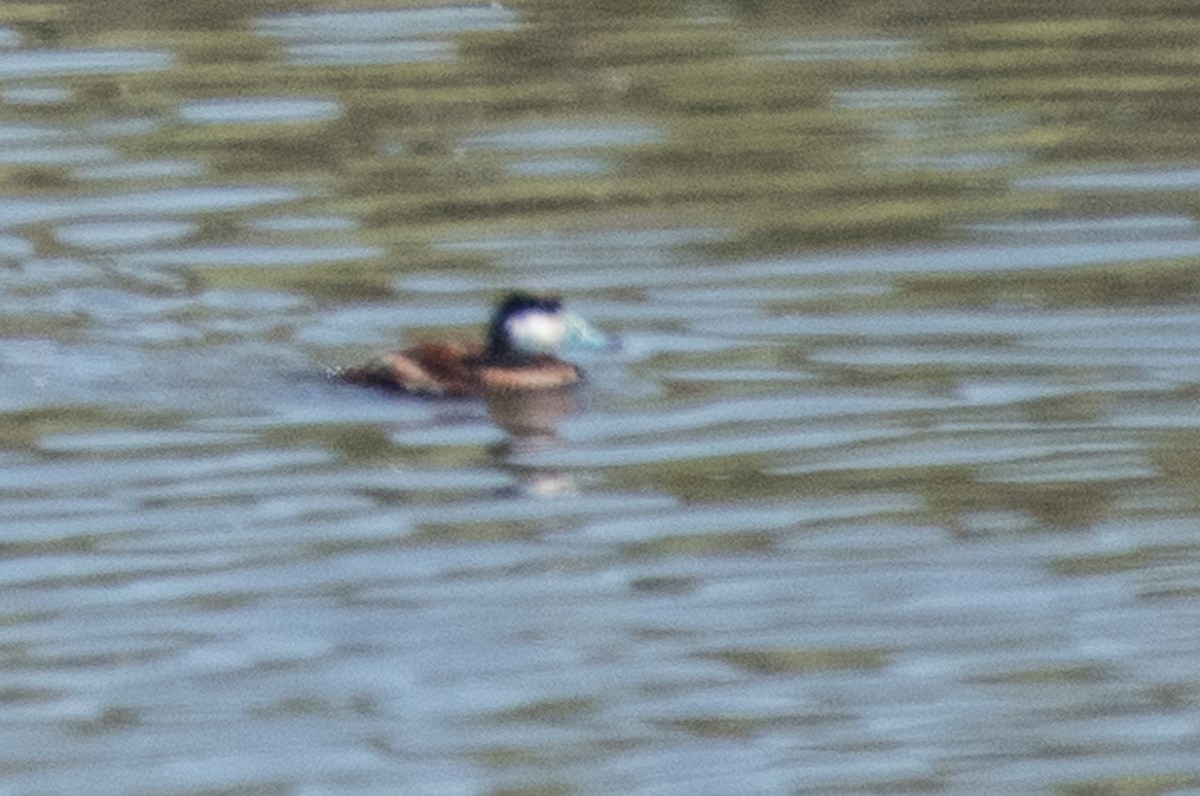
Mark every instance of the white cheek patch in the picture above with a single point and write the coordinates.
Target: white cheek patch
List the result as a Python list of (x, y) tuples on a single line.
[(537, 331)]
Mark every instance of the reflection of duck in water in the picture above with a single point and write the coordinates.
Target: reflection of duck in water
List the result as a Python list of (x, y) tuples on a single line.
[(524, 337)]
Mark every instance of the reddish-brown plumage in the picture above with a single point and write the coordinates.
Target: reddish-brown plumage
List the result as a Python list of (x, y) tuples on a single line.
[(515, 357), (459, 370)]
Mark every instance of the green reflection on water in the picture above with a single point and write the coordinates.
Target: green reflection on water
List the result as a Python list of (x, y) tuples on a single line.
[(758, 145)]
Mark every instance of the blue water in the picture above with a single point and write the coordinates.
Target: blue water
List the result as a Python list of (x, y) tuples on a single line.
[(904, 502)]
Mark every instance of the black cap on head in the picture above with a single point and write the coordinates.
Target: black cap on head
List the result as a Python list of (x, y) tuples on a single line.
[(500, 348)]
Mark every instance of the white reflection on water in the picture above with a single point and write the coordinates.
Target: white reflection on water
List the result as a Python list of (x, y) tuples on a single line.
[(142, 170), (265, 256), (359, 25), (1184, 177), (388, 52), (303, 223), (43, 63), (122, 234), (71, 154), (1107, 227), (567, 135), (36, 94), (386, 36), (259, 110), (171, 201), (982, 259)]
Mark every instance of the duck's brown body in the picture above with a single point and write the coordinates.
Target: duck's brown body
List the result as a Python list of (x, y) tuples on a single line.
[(460, 370)]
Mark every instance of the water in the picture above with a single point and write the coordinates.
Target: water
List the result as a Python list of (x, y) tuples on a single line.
[(891, 487)]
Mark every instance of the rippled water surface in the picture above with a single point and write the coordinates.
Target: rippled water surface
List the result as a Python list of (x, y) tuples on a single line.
[(892, 487)]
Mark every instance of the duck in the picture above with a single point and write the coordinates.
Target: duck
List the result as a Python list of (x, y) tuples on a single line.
[(521, 351)]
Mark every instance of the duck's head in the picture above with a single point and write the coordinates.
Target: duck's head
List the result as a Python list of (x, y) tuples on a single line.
[(526, 325)]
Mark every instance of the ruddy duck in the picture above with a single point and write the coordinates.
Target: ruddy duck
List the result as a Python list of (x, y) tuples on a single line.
[(524, 336)]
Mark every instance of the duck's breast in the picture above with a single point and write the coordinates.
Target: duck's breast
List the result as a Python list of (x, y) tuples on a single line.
[(544, 373)]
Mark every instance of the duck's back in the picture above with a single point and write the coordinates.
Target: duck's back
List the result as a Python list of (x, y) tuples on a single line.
[(436, 369), (459, 370)]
